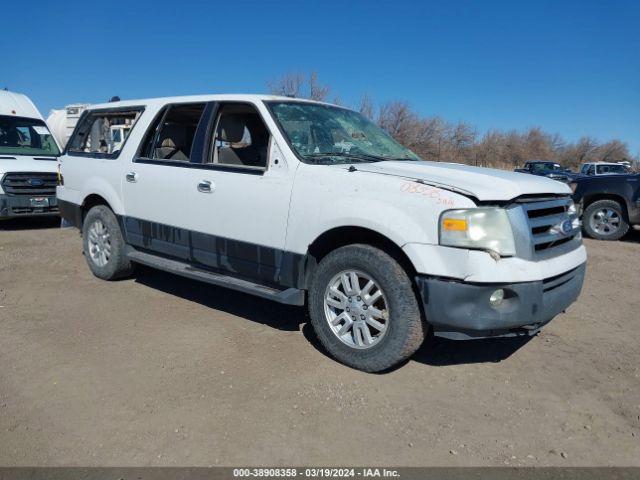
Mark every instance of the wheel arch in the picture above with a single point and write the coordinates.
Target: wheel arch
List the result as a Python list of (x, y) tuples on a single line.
[(94, 199), (591, 199), (91, 201), (342, 236)]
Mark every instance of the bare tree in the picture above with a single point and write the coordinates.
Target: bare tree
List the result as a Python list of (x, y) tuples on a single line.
[(462, 137), (537, 144), (401, 122), (613, 151), (490, 150), (316, 91), (289, 85), (582, 151), (366, 107), (432, 131), (299, 86), (434, 138)]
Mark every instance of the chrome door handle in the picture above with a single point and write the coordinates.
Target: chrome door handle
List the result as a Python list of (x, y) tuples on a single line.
[(132, 177), (205, 186)]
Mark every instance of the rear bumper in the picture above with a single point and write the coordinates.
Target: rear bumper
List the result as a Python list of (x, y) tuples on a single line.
[(461, 311), (12, 206), (71, 213)]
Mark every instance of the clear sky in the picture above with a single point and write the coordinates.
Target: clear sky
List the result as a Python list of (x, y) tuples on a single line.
[(571, 67)]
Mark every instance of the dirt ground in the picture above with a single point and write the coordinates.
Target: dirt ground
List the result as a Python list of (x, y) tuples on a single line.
[(159, 370)]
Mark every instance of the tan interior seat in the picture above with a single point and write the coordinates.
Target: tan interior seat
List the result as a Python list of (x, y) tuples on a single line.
[(172, 143), (243, 139)]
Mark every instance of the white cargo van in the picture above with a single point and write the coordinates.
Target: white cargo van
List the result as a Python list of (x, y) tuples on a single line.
[(309, 203), (28, 154)]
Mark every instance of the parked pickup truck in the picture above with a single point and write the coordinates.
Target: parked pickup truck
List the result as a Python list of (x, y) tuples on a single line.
[(309, 203), (610, 204), (547, 169), (603, 168)]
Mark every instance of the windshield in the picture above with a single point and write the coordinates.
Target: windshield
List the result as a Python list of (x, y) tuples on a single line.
[(326, 134), (545, 167), (604, 169), (25, 136)]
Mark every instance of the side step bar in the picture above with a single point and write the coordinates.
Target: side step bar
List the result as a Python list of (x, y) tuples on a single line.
[(290, 296)]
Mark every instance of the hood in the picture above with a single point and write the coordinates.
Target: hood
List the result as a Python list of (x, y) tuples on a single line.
[(24, 163), (485, 184)]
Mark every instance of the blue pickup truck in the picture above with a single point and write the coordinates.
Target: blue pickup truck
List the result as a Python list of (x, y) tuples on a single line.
[(610, 204), (547, 169)]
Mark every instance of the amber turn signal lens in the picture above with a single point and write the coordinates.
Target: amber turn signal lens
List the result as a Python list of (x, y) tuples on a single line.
[(454, 224)]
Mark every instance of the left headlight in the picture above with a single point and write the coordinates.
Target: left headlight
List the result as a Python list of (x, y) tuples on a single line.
[(478, 228)]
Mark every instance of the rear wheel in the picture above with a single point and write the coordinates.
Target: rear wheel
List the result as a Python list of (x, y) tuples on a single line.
[(605, 220), (104, 246), (364, 310)]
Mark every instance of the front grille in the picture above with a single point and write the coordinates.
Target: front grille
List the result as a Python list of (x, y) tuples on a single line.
[(30, 183), (33, 210), (545, 220)]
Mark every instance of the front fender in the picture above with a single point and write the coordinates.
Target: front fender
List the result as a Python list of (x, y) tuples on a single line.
[(404, 211)]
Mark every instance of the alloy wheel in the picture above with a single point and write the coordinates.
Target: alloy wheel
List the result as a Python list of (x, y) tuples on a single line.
[(356, 309), (99, 243), (605, 221)]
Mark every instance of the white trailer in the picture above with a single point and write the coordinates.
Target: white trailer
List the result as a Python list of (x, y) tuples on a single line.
[(61, 122)]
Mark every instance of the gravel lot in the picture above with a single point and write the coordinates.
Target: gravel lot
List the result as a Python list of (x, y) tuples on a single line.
[(159, 370)]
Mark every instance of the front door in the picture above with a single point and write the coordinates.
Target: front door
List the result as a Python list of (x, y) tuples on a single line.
[(240, 200)]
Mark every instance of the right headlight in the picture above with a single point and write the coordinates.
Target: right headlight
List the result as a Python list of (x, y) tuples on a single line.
[(478, 228)]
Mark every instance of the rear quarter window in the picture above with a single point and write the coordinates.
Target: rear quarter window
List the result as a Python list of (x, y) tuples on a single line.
[(103, 133)]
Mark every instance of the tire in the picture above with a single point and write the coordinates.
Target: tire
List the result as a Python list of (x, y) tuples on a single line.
[(101, 233), (404, 329), (605, 220)]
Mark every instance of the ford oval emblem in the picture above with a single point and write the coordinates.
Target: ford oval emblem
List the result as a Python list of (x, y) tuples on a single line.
[(566, 227), (35, 182)]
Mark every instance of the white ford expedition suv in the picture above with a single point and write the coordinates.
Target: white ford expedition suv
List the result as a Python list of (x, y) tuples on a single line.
[(305, 202)]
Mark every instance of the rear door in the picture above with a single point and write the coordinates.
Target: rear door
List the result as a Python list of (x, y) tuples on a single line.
[(158, 180), (240, 199)]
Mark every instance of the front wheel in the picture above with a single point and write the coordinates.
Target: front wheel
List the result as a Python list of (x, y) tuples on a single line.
[(605, 220), (364, 310)]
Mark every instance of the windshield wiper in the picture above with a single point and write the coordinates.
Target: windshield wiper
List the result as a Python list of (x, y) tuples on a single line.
[(359, 157)]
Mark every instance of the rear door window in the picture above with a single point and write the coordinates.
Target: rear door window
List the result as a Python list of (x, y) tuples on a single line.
[(170, 137)]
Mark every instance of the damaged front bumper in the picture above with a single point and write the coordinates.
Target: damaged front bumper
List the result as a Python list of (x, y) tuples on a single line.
[(461, 310)]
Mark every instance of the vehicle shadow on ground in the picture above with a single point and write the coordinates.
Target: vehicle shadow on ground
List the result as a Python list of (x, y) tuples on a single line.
[(434, 352), (439, 352), (633, 236), (34, 223), (255, 309)]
